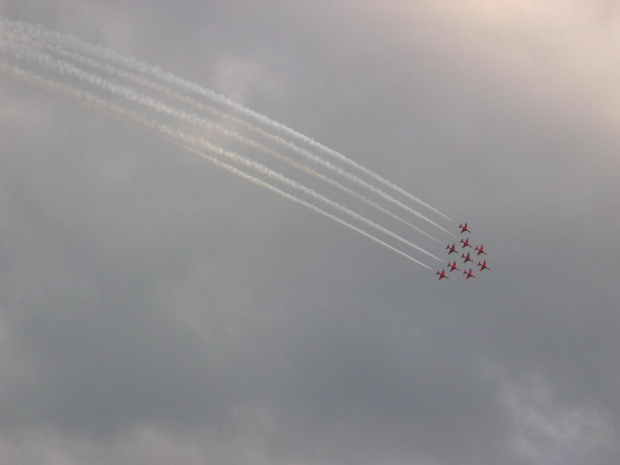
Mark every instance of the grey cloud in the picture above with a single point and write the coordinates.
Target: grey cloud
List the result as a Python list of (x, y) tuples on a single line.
[(156, 309)]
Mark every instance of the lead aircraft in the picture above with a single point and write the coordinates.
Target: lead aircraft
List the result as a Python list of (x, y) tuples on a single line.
[(480, 249), (466, 258), (442, 275), (483, 266), (465, 243), (464, 228)]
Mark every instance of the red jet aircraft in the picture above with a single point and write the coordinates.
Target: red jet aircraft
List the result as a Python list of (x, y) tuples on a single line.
[(453, 266), (480, 249), (464, 228), (483, 266), (465, 243), (451, 248), (466, 258), (442, 274), (469, 274)]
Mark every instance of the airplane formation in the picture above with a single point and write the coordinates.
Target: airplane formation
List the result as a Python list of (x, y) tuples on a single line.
[(466, 258)]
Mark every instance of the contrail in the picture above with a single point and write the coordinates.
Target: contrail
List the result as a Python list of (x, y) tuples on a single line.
[(200, 106), (274, 138), (304, 153), (294, 185), (172, 136), (62, 67), (145, 68), (250, 143)]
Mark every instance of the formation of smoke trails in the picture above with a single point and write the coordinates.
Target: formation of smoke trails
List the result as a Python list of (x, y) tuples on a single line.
[(171, 136), (145, 68), (62, 67), (297, 186), (130, 95), (200, 106), (304, 153)]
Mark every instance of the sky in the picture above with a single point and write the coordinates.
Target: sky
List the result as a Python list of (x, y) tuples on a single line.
[(157, 309)]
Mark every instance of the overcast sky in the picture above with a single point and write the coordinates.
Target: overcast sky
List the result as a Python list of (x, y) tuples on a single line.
[(155, 309)]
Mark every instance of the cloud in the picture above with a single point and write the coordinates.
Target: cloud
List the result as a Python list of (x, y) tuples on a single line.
[(155, 309)]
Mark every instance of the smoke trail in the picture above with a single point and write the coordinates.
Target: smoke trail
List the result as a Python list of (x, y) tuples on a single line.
[(196, 120), (294, 185), (145, 68), (274, 138), (63, 67), (214, 127), (172, 136)]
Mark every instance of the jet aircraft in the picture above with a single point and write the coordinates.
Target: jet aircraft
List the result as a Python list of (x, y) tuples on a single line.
[(465, 243), (451, 248), (469, 274), (483, 266), (453, 266), (464, 228), (466, 258), (442, 274), (480, 249)]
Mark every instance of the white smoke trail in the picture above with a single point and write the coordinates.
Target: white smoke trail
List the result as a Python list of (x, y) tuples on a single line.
[(196, 120), (107, 54), (294, 185), (304, 153), (214, 127), (65, 67), (171, 136)]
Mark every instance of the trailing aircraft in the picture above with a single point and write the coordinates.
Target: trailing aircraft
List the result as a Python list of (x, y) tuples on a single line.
[(483, 266), (453, 266), (480, 249), (466, 258), (451, 248), (465, 243), (469, 274), (464, 228), (442, 274)]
